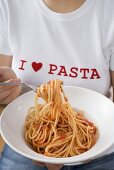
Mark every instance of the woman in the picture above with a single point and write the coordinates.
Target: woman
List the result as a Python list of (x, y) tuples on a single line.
[(70, 40)]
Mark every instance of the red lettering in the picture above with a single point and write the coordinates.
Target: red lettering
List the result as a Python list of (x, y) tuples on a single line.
[(73, 71), (84, 71), (53, 68), (22, 64), (62, 71), (94, 74)]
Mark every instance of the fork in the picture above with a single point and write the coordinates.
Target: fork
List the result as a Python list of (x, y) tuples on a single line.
[(33, 87)]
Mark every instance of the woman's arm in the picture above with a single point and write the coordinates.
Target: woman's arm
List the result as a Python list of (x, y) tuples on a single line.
[(6, 72), (5, 60), (112, 77), (7, 93)]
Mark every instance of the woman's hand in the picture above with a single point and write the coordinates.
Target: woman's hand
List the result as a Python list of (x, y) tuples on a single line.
[(49, 166), (53, 167), (8, 93)]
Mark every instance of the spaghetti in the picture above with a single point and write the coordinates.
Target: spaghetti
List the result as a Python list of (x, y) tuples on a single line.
[(53, 128)]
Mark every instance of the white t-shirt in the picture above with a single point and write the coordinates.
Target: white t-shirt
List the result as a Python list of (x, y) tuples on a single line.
[(76, 47)]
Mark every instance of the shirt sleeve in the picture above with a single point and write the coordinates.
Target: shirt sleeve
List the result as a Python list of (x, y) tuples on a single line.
[(4, 43)]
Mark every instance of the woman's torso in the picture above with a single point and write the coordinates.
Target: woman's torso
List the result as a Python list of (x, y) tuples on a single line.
[(72, 47)]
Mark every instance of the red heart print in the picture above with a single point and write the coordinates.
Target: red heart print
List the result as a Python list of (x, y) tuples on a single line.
[(36, 66)]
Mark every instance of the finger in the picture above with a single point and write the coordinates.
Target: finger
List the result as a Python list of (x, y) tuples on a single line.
[(6, 93), (6, 73), (12, 96), (108, 94), (8, 87), (39, 163), (53, 166)]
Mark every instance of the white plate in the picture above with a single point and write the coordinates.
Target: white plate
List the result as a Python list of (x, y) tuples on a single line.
[(98, 108)]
